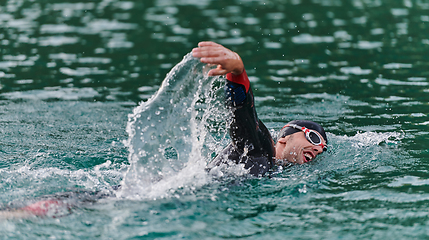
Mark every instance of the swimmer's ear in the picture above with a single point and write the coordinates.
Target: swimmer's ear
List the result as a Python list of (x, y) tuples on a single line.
[(283, 140)]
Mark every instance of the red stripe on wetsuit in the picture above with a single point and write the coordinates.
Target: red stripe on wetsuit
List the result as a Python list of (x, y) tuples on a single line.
[(242, 79)]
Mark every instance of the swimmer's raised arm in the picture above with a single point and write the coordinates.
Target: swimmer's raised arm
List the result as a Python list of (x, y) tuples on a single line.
[(226, 60)]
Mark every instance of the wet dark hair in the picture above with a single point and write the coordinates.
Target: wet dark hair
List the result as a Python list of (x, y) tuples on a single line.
[(303, 123)]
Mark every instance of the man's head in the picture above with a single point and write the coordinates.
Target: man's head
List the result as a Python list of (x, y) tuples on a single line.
[(300, 141)]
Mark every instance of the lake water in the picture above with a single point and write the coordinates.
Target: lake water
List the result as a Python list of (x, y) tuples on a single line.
[(78, 113)]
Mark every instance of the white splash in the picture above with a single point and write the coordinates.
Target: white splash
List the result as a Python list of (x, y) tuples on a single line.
[(174, 133)]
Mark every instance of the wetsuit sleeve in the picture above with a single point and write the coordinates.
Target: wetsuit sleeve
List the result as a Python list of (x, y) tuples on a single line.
[(252, 144), (237, 88), (245, 127), (241, 79)]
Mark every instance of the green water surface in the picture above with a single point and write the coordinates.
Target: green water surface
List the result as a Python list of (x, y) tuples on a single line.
[(72, 71)]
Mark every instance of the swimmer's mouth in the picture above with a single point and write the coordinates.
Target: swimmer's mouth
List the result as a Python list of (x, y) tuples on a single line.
[(308, 156)]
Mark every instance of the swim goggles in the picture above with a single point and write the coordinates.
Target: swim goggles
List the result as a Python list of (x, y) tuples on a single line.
[(312, 136)]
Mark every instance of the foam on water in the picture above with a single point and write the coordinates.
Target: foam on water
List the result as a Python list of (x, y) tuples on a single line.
[(367, 139), (174, 133)]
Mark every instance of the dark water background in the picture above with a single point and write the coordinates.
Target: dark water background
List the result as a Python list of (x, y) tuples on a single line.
[(71, 72)]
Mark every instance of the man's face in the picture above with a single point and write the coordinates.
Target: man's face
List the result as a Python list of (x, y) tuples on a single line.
[(295, 148)]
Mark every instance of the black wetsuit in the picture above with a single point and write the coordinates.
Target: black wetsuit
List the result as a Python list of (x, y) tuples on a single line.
[(252, 144)]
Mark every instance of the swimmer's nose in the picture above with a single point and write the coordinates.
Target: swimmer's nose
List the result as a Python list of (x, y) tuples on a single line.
[(318, 149)]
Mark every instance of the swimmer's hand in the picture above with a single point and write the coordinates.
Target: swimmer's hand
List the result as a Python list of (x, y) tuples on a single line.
[(226, 60), (15, 214)]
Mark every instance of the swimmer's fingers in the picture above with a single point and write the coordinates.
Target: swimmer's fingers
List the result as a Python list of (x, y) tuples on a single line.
[(220, 60), (217, 71), (209, 52), (224, 65), (213, 53), (208, 43)]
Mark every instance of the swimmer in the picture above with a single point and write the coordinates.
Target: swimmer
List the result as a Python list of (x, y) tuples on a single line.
[(299, 141)]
